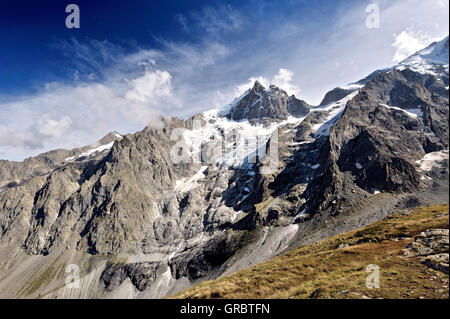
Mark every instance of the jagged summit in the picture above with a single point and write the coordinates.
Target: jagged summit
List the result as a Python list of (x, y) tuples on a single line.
[(272, 104), (110, 137), (258, 87)]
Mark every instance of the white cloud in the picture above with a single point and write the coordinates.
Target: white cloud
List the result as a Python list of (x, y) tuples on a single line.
[(113, 91), (182, 20), (283, 79), (409, 42), (10, 139), (241, 88), (150, 87), (53, 128), (219, 99), (215, 20), (65, 116), (441, 3)]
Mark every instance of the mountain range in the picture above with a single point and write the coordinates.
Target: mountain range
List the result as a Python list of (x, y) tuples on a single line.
[(148, 214)]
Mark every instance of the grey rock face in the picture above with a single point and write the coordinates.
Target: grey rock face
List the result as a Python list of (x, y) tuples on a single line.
[(203, 262), (335, 95), (437, 261), (14, 173), (433, 245), (375, 147), (272, 104), (296, 107), (141, 275)]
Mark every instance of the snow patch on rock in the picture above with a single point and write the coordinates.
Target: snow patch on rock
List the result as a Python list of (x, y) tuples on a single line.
[(414, 113), (432, 159)]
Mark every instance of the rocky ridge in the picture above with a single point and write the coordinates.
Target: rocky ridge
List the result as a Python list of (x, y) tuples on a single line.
[(432, 244), (144, 225)]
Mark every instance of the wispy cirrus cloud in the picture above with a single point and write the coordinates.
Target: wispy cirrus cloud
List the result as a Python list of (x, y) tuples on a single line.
[(212, 20), (14, 140), (113, 90), (71, 115)]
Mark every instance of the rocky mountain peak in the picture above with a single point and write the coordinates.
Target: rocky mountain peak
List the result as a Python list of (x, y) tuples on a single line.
[(110, 137), (257, 87), (266, 105), (436, 52), (433, 59)]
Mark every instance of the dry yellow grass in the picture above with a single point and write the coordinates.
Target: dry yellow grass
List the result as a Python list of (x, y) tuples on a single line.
[(324, 270)]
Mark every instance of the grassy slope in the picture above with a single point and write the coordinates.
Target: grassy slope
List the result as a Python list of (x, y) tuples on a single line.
[(323, 270)]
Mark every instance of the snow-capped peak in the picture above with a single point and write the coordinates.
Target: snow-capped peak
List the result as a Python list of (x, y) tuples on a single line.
[(103, 144), (432, 59)]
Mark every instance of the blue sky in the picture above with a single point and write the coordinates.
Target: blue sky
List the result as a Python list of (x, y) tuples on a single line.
[(131, 61)]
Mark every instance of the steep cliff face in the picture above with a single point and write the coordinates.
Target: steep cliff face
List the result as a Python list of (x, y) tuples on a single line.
[(392, 123), (149, 213)]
